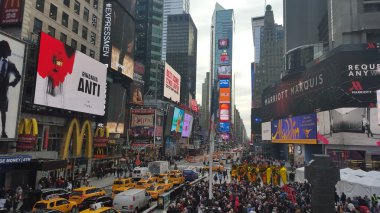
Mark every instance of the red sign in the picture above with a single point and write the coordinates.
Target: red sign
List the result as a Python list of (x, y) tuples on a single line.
[(100, 142), (46, 138), (26, 142), (10, 12)]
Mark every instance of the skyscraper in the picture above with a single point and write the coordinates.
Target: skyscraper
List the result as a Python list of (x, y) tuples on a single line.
[(270, 63), (149, 43), (172, 7), (221, 78), (257, 24), (182, 52)]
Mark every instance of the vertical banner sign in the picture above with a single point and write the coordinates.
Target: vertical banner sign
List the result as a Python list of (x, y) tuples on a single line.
[(142, 127), (11, 72), (11, 12), (137, 86), (172, 84)]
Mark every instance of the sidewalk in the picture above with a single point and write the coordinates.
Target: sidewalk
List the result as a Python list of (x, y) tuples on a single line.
[(102, 183)]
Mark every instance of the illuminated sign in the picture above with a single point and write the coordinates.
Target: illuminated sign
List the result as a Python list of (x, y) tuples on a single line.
[(224, 83), (224, 127)]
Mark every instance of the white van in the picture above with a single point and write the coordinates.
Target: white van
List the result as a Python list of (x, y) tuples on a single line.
[(140, 172), (132, 200)]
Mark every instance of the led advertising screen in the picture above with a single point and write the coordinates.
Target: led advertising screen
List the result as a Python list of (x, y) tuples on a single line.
[(117, 96), (224, 58), (118, 37), (223, 43), (10, 85), (224, 71), (129, 5), (349, 126), (11, 12), (224, 95), (299, 129), (137, 86), (224, 83), (142, 127), (224, 114), (68, 79), (266, 131), (172, 83), (187, 125), (224, 127), (177, 123)]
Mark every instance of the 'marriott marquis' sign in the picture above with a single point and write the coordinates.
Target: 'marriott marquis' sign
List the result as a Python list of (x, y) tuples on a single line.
[(345, 79)]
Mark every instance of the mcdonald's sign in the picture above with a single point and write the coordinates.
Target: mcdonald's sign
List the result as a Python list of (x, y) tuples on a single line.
[(78, 135), (100, 142), (27, 134), (10, 12)]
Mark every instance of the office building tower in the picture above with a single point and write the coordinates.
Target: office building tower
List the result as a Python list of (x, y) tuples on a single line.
[(172, 7), (149, 14), (182, 52), (271, 62)]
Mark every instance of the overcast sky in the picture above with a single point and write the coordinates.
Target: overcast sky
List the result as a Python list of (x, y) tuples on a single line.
[(243, 54)]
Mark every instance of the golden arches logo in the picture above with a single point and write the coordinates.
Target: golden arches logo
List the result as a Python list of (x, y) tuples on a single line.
[(78, 136), (102, 132), (99, 151), (28, 127), (12, 3)]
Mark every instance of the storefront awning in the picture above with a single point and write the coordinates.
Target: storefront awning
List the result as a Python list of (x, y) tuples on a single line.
[(43, 165)]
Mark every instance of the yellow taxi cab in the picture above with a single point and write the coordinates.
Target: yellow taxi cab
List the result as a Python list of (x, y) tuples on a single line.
[(60, 204), (167, 184), (122, 182), (120, 189), (155, 191), (80, 194), (143, 184), (99, 208), (152, 178), (162, 176), (177, 178), (175, 172)]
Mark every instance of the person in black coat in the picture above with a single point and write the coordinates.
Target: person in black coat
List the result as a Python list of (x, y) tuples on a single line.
[(7, 69)]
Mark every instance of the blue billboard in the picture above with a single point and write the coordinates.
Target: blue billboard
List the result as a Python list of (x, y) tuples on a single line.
[(224, 83), (300, 129), (224, 127)]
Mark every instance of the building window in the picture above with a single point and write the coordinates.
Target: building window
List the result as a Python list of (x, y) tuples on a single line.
[(370, 8), (95, 4), (40, 5), (53, 12), (93, 38), (77, 7), (75, 26), (51, 31), (65, 19), (92, 54), (86, 14), (74, 43), (37, 27), (94, 20), (83, 49), (63, 38), (66, 3), (84, 32)]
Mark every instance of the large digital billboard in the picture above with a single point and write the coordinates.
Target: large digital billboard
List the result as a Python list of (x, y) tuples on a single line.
[(349, 126), (224, 71), (224, 113), (117, 97), (118, 37), (172, 88), (10, 84), (223, 43), (177, 123), (187, 125), (224, 95), (224, 127), (299, 129), (137, 86), (68, 79), (142, 127), (349, 77), (224, 58), (224, 83)]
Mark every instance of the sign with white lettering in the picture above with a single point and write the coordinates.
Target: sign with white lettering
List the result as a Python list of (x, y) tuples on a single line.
[(172, 89), (69, 79), (15, 159)]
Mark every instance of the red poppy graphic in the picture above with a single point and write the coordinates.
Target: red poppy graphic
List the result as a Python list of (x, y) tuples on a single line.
[(55, 60)]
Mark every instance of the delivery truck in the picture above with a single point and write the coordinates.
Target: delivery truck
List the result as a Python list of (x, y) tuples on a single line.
[(158, 167)]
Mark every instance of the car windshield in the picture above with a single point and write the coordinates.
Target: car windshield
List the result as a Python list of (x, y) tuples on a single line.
[(137, 171), (140, 183), (40, 206), (172, 176), (118, 182), (151, 188), (161, 181), (77, 193)]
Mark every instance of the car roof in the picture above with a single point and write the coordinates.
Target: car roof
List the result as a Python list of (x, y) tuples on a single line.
[(131, 191), (97, 210), (84, 188), (51, 200)]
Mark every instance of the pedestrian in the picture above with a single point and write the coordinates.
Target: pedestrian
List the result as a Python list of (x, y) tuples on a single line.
[(215, 177), (225, 174), (343, 198)]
